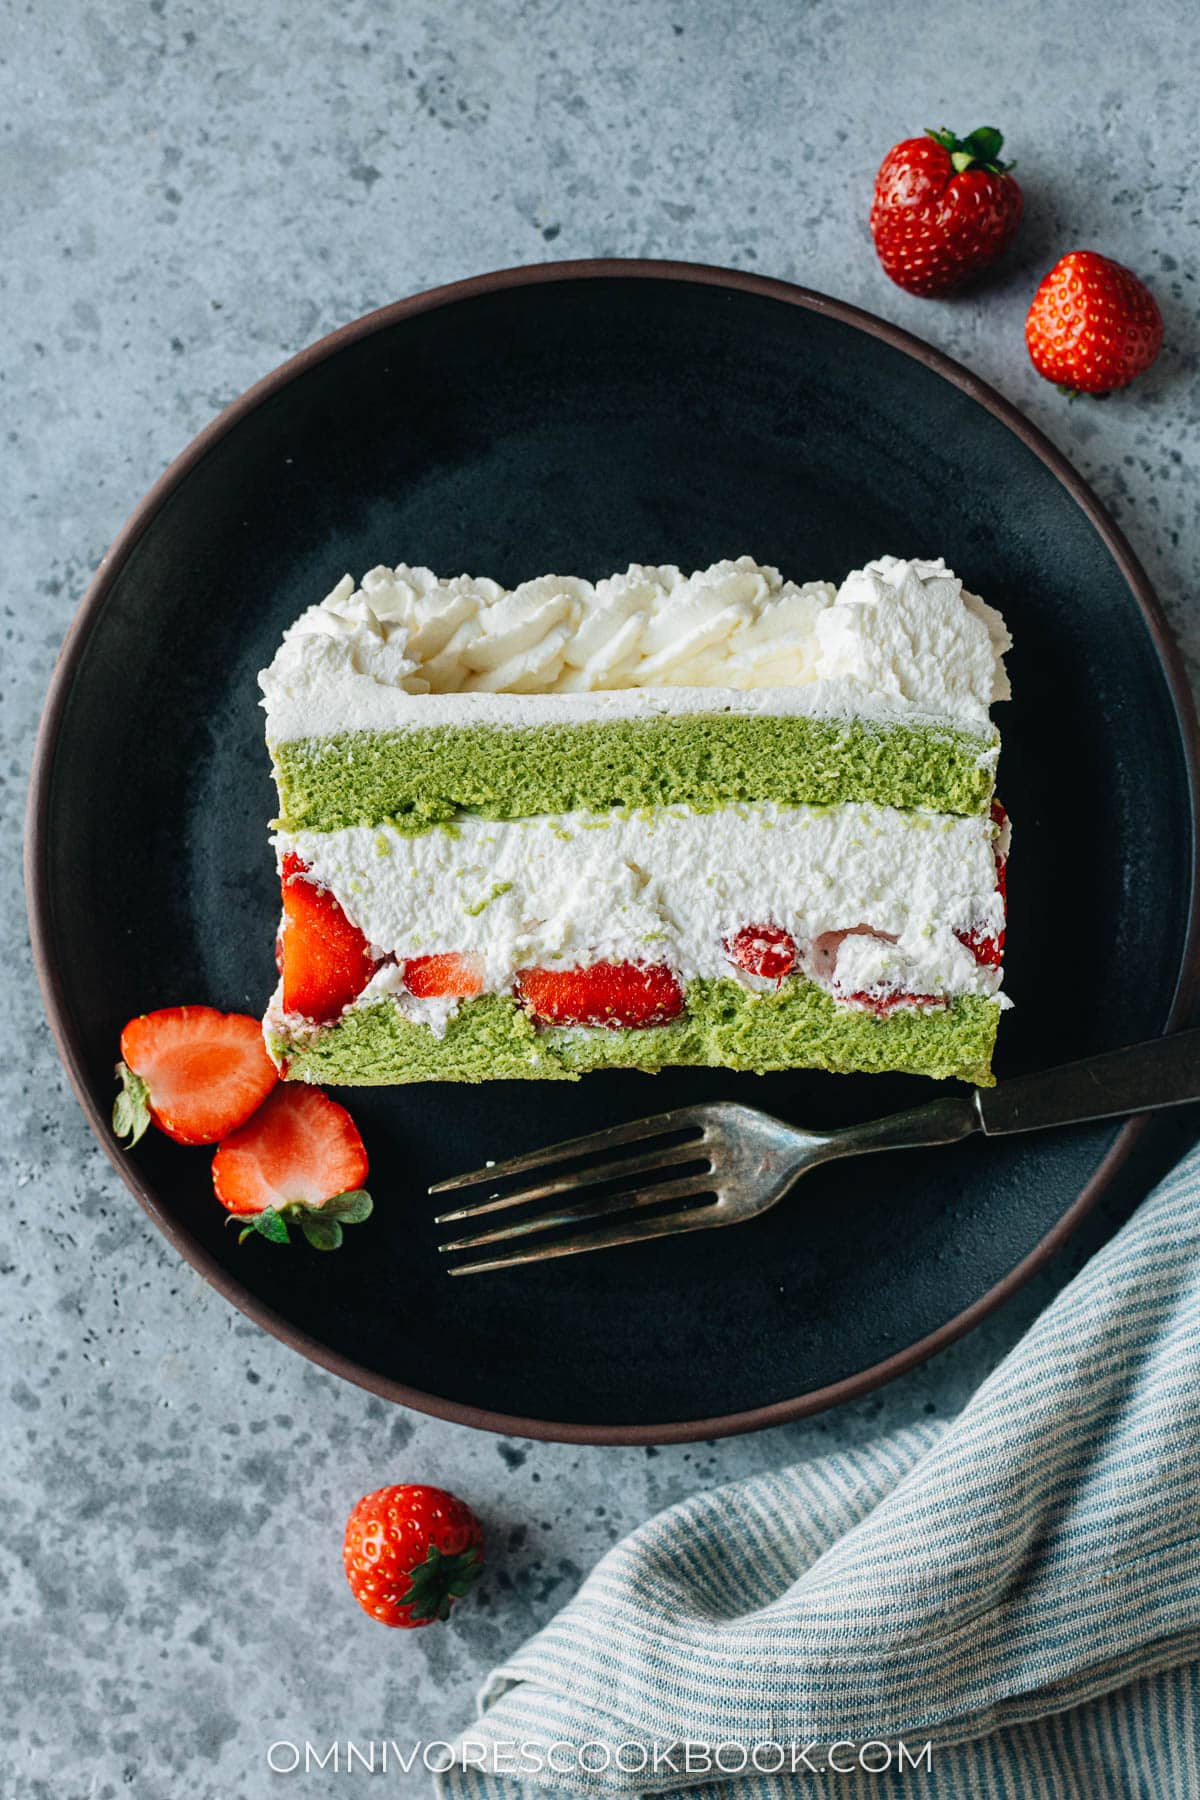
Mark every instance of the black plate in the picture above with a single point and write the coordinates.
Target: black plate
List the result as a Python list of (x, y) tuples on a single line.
[(575, 419)]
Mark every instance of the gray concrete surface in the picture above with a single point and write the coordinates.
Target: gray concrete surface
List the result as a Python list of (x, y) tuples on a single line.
[(188, 194)]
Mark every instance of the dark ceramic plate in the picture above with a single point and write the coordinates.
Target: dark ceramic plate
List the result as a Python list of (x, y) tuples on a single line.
[(575, 418)]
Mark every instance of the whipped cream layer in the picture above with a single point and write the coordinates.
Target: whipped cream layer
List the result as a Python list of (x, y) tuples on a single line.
[(671, 886), (406, 649)]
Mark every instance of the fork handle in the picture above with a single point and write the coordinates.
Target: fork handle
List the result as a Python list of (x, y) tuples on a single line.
[(1141, 1078), (942, 1121)]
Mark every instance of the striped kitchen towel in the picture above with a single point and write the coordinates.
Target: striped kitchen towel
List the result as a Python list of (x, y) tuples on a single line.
[(1005, 1606)]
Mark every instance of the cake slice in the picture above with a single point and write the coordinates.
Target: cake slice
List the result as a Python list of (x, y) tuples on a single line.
[(722, 820)]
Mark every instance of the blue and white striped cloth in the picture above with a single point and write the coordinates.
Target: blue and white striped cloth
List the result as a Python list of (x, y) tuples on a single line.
[(1019, 1591)]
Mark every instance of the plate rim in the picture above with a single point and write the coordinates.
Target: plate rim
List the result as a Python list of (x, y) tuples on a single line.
[(36, 871)]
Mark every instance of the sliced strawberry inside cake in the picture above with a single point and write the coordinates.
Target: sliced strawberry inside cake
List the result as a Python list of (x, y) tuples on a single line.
[(324, 960)]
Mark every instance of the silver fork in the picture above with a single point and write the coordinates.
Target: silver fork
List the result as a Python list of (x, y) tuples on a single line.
[(734, 1162)]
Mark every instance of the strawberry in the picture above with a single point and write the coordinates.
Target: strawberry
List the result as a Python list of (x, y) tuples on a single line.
[(617, 995), (300, 1157), (765, 950), (1093, 325), (823, 959), (195, 1072), (410, 1552), (325, 960), (449, 976), (883, 1004), (986, 947), (944, 209)]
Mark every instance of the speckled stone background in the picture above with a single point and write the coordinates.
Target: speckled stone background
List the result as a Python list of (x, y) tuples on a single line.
[(189, 193)]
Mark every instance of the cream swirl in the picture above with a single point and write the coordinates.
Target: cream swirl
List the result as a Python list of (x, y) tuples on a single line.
[(897, 635)]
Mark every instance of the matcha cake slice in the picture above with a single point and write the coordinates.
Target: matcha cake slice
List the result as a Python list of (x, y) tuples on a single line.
[(721, 819)]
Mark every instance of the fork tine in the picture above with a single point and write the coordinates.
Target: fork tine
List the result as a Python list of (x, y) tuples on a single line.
[(625, 1231), (630, 1199), (679, 1120), (674, 1157)]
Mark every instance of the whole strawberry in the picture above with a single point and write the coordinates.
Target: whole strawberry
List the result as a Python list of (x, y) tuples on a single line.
[(944, 209), (410, 1552), (1093, 326)]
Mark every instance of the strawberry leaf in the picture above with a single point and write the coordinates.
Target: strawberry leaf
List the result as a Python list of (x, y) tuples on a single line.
[(131, 1108), (322, 1234), (351, 1207), (439, 1580), (266, 1223), (985, 144), (322, 1225), (980, 149)]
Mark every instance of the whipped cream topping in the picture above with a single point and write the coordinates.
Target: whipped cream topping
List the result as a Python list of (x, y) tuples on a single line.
[(408, 649), (671, 886)]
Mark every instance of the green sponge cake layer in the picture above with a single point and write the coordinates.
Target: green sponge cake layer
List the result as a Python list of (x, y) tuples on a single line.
[(795, 1026), (419, 778)]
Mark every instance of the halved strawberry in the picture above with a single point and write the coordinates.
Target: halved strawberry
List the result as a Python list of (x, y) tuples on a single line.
[(448, 976), (622, 995), (300, 1157), (766, 950), (324, 959), (195, 1072)]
